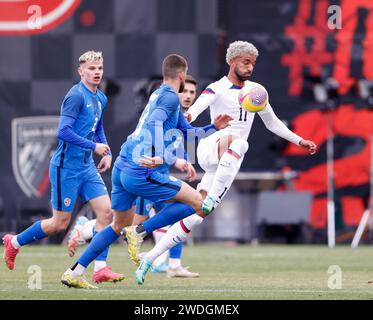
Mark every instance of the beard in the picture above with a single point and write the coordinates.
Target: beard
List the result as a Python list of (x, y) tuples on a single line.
[(240, 76), (182, 86)]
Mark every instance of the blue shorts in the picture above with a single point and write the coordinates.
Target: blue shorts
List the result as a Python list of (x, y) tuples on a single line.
[(158, 187), (68, 184), (143, 206)]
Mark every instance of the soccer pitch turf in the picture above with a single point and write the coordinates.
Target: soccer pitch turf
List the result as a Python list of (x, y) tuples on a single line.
[(227, 272)]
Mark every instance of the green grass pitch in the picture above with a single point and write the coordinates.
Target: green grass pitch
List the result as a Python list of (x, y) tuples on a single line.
[(227, 272)]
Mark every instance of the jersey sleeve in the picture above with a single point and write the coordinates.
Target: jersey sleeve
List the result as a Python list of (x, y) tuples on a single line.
[(274, 124), (72, 105), (189, 131), (155, 126), (207, 97), (67, 134)]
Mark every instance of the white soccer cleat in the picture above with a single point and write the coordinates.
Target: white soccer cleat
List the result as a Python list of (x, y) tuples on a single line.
[(75, 237), (181, 272)]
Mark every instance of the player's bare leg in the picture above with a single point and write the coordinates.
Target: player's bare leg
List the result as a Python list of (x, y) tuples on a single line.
[(138, 218), (101, 206), (104, 216), (175, 234), (74, 276), (186, 194)]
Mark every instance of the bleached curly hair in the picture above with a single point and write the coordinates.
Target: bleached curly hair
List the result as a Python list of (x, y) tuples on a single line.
[(91, 56), (237, 48)]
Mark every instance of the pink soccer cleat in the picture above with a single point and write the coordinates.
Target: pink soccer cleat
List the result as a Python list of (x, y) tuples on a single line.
[(9, 253), (106, 275)]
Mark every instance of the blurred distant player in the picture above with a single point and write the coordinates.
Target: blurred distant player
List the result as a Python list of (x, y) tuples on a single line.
[(138, 170), (72, 170), (189, 93), (221, 154)]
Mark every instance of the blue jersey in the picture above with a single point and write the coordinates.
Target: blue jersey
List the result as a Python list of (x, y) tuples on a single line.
[(86, 108), (159, 132), (143, 141)]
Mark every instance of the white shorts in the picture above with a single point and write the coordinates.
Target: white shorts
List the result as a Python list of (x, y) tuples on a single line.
[(208, 158)]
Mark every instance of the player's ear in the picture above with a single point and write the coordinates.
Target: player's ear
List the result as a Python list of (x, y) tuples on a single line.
[(80, 71)]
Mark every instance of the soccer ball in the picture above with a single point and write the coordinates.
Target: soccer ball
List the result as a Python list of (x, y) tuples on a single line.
[(253, 98)]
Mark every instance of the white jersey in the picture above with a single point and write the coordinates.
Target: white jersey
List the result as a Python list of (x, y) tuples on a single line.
[(222, 98)]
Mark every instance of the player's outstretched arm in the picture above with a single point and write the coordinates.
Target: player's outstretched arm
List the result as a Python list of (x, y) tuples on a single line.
[(220, 122), (206, 98), (274, 124)]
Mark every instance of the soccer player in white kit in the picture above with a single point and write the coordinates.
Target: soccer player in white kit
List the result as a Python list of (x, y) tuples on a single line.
[(220, 155)]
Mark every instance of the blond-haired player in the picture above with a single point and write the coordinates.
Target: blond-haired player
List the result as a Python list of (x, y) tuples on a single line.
[(72, 170)]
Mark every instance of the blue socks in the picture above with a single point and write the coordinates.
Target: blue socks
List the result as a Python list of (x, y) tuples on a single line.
[(175, 252), (170, 214), (31, 234), (103, 255), (100, 242)]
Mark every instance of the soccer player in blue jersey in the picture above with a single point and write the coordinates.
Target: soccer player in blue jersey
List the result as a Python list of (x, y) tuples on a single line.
[(170, 261), (72, 170), (143, 157)]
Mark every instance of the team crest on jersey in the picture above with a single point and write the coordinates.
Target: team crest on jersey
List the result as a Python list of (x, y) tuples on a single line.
[(33, 141), (25, 17), (67, 202)]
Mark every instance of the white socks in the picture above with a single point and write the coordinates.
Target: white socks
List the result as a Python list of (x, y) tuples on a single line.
[(99, 265), (158, 235), (176, 234), (229, 165), (174, 263), (15, 243), (78, 271)]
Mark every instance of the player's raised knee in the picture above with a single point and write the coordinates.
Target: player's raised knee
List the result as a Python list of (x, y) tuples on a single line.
[(239, 146)]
